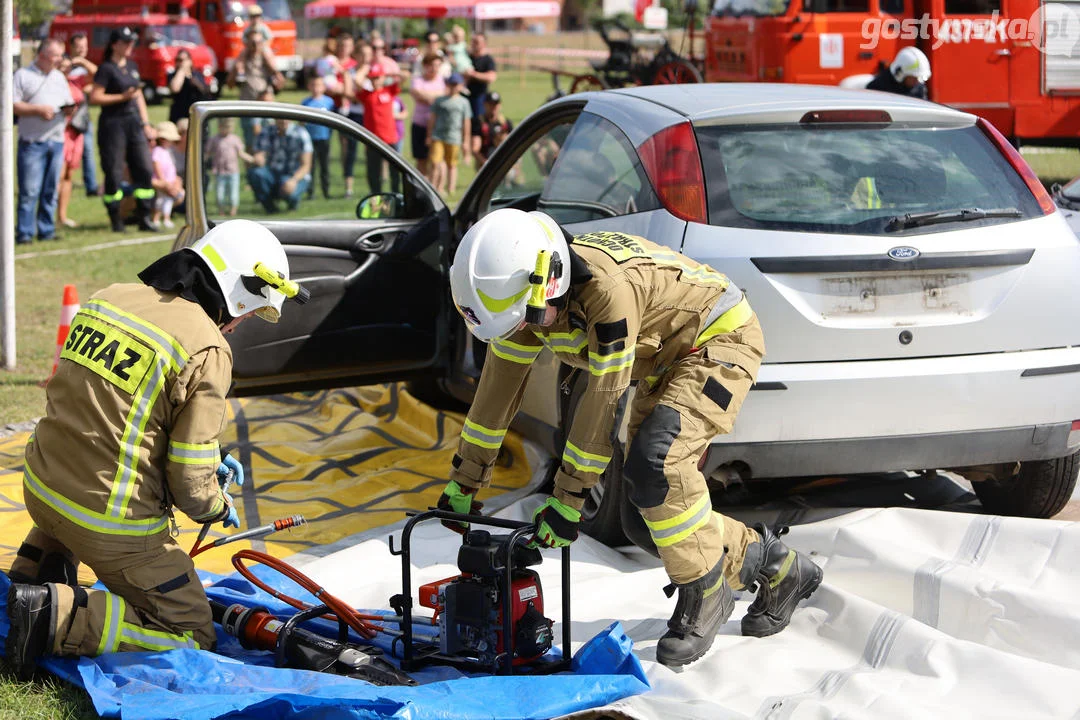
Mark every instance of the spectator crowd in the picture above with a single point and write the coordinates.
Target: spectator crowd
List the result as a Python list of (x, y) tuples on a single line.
[(456, 118)]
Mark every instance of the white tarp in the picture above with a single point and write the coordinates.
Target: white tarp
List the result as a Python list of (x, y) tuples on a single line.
[(923, 614)]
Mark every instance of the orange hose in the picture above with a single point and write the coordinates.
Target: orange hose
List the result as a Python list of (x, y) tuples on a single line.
[(338, 608)]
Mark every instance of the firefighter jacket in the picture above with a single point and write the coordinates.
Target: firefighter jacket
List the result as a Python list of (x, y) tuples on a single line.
[(133, 415), (634, 309)]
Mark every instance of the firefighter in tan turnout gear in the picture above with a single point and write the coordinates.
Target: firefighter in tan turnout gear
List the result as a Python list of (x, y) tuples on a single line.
[(624, 309), (131, 431)]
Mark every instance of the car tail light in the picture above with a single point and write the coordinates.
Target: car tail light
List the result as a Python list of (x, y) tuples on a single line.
[(815, 117), (1074, 435), (1019, 164), (673, 164)]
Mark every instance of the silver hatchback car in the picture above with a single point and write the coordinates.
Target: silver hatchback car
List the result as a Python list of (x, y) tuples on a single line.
[(914, 280)]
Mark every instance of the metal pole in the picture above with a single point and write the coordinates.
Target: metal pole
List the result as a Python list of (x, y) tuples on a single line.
[(7, 190)]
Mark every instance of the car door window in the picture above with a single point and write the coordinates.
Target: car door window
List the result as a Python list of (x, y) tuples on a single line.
[(528, 175), (275, 168), (597, 175)]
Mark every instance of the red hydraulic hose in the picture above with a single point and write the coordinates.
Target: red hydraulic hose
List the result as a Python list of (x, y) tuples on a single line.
[(338, 608)]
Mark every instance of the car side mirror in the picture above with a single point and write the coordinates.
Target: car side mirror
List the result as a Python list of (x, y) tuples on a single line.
[(381, 206)]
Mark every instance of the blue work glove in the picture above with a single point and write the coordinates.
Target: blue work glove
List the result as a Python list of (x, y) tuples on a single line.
[(228, 465), (456, 498), (556, 524), (232, 519)]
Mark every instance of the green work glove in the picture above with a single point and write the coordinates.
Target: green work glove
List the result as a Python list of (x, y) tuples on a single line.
[(556, 524), (456, 498)]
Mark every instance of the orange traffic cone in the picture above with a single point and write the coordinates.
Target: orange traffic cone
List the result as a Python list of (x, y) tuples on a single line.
[(67, 314)]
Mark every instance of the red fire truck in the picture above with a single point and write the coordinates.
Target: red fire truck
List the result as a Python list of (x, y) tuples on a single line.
[(160, 38), (1014, 62), (223, 23)]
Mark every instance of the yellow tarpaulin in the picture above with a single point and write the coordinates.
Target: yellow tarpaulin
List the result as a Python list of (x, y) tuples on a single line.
[(348, 460)]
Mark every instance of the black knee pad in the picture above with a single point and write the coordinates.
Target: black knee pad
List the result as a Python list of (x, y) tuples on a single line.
[(646, 484), (56, 568)]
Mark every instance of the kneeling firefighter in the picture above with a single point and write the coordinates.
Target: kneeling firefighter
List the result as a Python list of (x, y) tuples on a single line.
[(132, 422), (622, 308)]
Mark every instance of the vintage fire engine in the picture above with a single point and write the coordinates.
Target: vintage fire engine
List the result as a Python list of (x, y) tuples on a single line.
[(213, 30)]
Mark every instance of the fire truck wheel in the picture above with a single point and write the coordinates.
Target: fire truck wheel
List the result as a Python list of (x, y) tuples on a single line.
[(1040, 490), (677, 72), (601, 517), (585, 83), (151, 97)]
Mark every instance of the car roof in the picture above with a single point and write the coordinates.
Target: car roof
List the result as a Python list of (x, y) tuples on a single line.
[(724, 103)]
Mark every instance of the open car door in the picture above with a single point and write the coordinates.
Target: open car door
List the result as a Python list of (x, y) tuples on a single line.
[(364, 232)]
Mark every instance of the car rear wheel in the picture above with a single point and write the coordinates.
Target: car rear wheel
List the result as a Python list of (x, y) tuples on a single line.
[(1040, 490), (601, 516)]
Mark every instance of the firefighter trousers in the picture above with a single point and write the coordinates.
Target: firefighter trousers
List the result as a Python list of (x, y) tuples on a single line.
[(671, 424), (121, 141), (155, 600)]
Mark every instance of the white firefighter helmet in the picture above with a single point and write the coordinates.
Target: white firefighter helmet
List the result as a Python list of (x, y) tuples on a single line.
[(250, 267), (911, 62), (509, 264)]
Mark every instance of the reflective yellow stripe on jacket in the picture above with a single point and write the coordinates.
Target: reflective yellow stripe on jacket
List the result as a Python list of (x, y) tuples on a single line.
[(87, 518), (169, 356), (569, 342), (604, 364), (137, 357), (194, 453)]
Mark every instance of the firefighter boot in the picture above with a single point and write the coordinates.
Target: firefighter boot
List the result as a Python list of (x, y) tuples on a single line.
[(783, 578), (115, 218), (32, 613), (703, 606), (144, 214)]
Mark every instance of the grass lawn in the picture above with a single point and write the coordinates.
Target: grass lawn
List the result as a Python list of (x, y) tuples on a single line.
[(41, 273)]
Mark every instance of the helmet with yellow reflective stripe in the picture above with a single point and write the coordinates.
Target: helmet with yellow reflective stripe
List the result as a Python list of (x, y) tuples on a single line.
[(507, 268), (232, 250), (911, 62)]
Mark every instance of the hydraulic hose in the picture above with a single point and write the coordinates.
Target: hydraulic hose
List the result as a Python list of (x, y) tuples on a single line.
[(338, 608)]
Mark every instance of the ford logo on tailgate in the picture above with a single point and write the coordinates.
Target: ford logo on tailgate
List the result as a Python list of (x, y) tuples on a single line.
[(903, 253)]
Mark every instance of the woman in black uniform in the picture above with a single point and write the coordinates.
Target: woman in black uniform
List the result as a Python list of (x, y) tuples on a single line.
[(124, 131)]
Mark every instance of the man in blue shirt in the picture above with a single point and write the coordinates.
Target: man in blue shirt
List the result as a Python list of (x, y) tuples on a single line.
[(282, 167), (320, 135)]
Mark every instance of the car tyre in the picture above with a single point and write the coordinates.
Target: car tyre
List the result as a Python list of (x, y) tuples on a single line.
[(1040, 490), (601, 516)]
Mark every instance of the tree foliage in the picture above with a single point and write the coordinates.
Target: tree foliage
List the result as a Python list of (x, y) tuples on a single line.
[(31, 15)]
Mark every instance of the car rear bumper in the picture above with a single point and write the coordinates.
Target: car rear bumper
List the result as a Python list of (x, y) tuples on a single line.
[(904, 452), (872, 416)]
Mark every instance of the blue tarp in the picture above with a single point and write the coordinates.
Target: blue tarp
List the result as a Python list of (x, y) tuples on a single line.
[(234, 682)]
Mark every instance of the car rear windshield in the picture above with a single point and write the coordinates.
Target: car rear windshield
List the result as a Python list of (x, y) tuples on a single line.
[(855, 179)]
